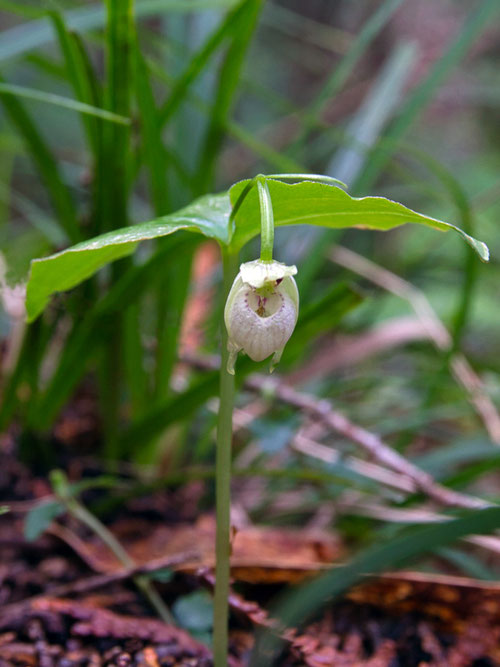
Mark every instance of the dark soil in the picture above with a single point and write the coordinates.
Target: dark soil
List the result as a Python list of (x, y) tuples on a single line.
[(112, 624)]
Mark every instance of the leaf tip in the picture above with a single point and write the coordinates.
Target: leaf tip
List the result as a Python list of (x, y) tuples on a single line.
[(481, 248), (484, 252)]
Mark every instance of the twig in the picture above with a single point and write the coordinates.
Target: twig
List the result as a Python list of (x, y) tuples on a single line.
[(436, 330), (88, 584), (410, 515), (383, 453), (306, 445), (383, 512), (377, 448), (80, 512)]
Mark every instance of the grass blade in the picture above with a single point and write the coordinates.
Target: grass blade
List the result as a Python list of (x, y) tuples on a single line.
[(272, 157), (170, 308), (20, 9), (80, 74), (376, 110), (46, 164), (60, 101), (29, 36), (112, 177), (229, 79), (199, 62), (296, 606), (111, 196), (341, 73), (154, 153), (421, 96), (88, 334)]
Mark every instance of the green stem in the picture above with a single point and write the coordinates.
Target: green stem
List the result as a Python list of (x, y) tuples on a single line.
[(112, 183), (80, 512), (266, 221), (142, 582), (223, 485), (266, 207)]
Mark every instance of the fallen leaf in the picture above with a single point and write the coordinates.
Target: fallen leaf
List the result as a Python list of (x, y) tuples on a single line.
[(259, 555), (452, 600)]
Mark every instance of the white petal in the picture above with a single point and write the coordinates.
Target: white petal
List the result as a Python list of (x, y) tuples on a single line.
[(258, 273), (259, 336)]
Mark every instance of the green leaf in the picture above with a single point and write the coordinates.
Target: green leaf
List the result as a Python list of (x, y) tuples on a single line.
[(29, 36), (228, 82), (328, 206), (479, 17), (80, 73), (199, 62), (40, 518), (207, 215), (45, 162), (154, 155), (65, 102), (162, 576), (306, 202), (194, 611), (69, 268)]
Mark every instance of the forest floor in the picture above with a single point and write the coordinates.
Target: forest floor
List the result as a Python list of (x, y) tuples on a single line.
[(65, 599)]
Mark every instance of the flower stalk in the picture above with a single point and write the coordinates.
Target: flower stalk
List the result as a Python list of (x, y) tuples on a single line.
[(259, 317), (223, 485), (266, 221)]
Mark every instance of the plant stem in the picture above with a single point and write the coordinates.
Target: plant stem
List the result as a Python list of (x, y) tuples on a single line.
[(223, 484), (266, 221), (112, 198), (80, 512)]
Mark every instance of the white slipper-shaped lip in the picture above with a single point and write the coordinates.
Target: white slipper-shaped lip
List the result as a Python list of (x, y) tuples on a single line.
[(261, 310)]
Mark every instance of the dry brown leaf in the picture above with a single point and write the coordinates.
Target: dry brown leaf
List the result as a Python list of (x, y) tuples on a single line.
[(449, 599), (260, 554)]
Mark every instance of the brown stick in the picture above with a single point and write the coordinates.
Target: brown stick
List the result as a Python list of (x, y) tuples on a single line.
[(379, 450), (310, 446), (91, 583), (436, 331), (322, 410), (100, 580)]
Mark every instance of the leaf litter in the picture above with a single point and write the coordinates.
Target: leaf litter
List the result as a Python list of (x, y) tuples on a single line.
[(66, 601)]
